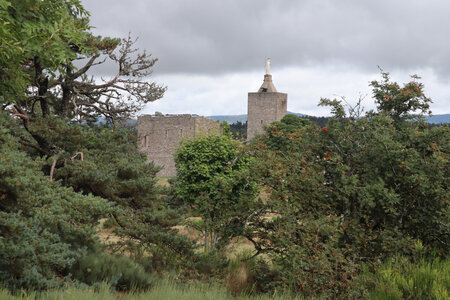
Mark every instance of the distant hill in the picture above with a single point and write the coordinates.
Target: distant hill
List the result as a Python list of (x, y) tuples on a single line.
[(241, 118), (229, 118), (436, 119)]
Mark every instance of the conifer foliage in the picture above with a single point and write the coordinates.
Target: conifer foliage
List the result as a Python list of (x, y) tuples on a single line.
[(44, 226), (59, 171)]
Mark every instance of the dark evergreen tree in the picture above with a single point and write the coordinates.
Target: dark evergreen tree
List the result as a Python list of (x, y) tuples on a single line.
[(239, 130), (73, 164), (44, 226)]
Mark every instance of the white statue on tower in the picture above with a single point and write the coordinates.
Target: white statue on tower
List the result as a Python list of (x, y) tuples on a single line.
[(268, 66)]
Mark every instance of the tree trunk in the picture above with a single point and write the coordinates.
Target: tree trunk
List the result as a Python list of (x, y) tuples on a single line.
[(42, 85), (67, 87)]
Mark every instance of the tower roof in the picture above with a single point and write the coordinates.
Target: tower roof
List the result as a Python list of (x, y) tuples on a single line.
[(267, 86)]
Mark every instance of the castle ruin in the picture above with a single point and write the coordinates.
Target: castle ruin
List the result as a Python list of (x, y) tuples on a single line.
[(160, 135), (265, 106)]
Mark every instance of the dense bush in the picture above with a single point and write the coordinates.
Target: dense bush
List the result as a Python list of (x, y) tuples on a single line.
[(97, 165), (213, 180), (353, 192), (122, 273)]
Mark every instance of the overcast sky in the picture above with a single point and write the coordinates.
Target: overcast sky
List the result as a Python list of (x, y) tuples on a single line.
[(212, 53)]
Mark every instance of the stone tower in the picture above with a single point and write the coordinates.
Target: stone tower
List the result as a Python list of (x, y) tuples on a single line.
[(265, 106)]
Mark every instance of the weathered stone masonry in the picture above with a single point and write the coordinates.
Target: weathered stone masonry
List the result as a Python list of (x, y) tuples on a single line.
[(160, 135)]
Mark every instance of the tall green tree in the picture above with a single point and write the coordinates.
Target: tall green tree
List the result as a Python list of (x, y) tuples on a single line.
[(213, 180)]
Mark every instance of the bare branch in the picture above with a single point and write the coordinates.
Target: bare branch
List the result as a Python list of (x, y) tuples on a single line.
[(78, 153), (22, 116), (87, 66), (52, 169)]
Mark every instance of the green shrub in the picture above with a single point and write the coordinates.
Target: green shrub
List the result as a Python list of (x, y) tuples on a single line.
[(211, 263), (122, 273), (213, 180), (401, 279)]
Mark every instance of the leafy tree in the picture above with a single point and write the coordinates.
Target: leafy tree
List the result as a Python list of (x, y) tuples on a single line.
[(43, 35), (42, 79), (212, 179), (277, 132), (239, 129), (357, 190), (399, 102), (296, 226), (289, 123)]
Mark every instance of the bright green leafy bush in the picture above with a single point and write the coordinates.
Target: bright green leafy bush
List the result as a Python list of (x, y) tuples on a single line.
[(213, 180)]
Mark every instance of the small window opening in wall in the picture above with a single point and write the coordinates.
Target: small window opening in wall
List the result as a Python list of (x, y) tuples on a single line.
[(261, 121), (166, 133), (181, 132)]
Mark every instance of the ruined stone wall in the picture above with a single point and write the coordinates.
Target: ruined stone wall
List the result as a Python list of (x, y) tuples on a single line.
[(204, 126), (264, 108), (160, 135)]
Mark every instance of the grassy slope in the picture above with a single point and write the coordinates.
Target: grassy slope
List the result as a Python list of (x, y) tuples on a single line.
[(163, 290)]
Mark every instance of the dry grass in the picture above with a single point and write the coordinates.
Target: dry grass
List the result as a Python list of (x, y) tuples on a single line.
[(106, 235), (189, 231), (237, 246), (164, 181), (234, 248), (264, 195), (238, 279)]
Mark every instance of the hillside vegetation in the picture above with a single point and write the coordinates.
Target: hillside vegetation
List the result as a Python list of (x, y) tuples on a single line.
[(354, 208)]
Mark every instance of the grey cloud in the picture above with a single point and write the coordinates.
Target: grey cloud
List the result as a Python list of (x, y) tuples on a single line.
[(206, 36)]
